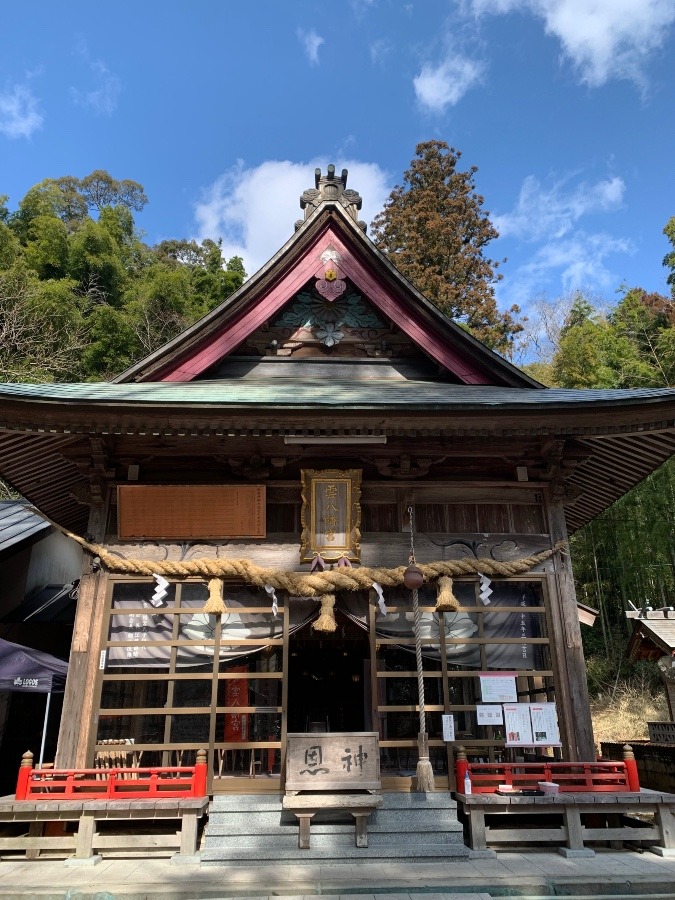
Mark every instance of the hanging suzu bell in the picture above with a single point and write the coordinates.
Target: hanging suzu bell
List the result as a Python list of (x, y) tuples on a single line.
[(413, 577)]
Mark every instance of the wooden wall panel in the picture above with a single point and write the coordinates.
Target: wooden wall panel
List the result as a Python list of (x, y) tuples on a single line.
[(493, 517), (190, 512), (528, 519), (462, 518)]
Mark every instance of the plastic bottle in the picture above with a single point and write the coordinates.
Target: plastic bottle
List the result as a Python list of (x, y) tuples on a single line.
[(467, 782)]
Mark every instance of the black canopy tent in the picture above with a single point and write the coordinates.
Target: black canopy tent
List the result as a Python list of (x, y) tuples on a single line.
[(25, 669)]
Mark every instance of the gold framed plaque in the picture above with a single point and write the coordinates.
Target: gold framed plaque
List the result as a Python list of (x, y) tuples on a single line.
[(331, 514)]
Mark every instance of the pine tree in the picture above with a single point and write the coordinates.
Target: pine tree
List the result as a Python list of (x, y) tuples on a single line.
[(434, 229)]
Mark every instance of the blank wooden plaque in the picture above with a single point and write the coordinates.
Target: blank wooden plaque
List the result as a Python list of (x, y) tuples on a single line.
[(190, 512)]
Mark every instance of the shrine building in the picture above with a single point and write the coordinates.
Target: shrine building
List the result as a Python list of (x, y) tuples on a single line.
[(249, 495)]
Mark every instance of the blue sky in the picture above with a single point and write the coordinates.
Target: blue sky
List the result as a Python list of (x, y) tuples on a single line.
[(223, 110)]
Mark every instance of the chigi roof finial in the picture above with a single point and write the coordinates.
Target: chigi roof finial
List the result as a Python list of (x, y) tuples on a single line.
[(328, 187)]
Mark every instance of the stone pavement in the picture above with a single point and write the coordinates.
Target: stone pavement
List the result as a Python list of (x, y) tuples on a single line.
[(520, 873)]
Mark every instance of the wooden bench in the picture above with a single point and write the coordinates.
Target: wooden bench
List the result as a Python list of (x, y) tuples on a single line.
[(89, 796), (570, 777), (595, 801), (87, 814), (305, 806), (608, 818)]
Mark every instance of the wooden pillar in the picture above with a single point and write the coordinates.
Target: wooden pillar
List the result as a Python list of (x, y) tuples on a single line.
[(78, 699), (570, 655)]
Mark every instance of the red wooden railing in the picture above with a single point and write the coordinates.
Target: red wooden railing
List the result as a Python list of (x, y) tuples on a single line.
[(120, 783), (569, 776)]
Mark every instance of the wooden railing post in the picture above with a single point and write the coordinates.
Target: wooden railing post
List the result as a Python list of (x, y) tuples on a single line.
[(23, 778), (461, 767), (200, 776), (631, 768)]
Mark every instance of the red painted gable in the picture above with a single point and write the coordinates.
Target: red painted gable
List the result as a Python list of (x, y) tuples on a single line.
[(219, 342)]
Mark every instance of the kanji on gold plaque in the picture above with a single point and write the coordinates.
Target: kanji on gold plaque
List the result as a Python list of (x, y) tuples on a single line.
[(331, 514)]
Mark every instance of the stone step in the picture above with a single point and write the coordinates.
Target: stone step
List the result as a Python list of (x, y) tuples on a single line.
[(390, 800), (246, 828), (256, 824), (329, 839), (270, 857), (224, 826)]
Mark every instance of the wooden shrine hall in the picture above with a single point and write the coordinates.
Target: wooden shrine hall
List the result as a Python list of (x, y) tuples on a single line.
[(248, 497)]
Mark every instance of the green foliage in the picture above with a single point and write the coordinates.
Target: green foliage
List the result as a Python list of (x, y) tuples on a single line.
[(633, 345), (626, 555), (435, 231), (669, 258), (46, 250), (84, 297), (95, 262), (100, 189)]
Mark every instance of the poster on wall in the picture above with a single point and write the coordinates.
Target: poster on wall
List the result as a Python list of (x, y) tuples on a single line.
[(517, 725), (490, 714), (448, 728), (498, 687), (544, 720)]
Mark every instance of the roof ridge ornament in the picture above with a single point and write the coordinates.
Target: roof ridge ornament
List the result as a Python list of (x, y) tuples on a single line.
[(329, 188)]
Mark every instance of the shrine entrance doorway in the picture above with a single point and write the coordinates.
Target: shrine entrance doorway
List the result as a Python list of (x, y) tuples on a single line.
[(329, 679)]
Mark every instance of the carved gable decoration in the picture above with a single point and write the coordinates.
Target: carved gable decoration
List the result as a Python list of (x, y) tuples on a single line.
[(333, 262), (313, 318)]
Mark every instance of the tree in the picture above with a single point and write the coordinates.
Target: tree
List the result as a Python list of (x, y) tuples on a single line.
[(42, 329), (435, 231), (81, 295), (100, 189), (631, 345), (669, 258)]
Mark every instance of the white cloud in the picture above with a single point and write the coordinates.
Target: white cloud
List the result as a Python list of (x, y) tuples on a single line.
[(254, 210), (379, 51), (311, 41), (438, 87), (550, 219), (579, 262), (604, 39), (19, 114), (551, 213), (102, 99)]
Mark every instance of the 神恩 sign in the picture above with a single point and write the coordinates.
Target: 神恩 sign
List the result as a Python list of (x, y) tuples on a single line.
[(334, 761), (331, 514)]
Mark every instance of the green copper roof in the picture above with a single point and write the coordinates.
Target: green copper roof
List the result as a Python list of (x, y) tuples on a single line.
[(315, 393)]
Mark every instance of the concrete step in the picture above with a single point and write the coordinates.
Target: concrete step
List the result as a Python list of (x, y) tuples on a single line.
[(270, 857), (253, 823), (390, 800), (328, 839), (247, 828)]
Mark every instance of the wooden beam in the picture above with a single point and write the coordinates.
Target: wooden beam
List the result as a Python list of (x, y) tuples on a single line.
[(76, 718), (569, 650)]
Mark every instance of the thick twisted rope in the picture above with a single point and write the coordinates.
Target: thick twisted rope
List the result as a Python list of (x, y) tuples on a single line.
[(418, 660), (302, 584)]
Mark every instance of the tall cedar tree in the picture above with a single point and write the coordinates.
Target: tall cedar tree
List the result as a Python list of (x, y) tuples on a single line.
[(434, 229)]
